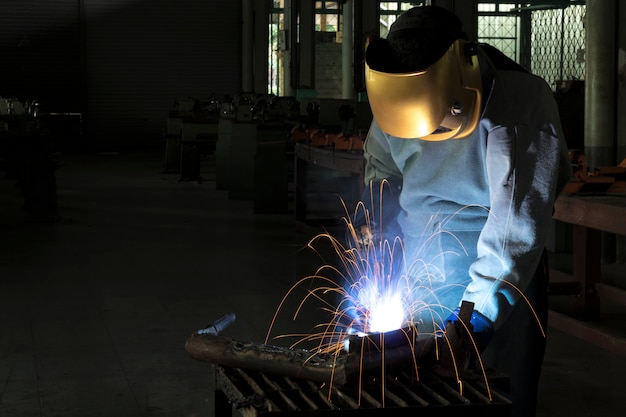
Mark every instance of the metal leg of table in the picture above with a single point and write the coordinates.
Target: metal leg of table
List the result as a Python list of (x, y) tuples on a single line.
[(587, 270)]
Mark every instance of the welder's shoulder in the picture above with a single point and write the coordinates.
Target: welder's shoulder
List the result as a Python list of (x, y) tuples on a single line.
[(524, 83), (520, 98)]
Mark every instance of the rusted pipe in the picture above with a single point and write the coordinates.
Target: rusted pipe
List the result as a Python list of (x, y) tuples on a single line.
[(336, 368), (296, 363)]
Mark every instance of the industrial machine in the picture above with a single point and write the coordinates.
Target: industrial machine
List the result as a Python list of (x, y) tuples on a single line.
[(191, 132)]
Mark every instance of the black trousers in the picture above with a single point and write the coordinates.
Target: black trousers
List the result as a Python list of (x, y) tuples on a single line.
[(517, 348)]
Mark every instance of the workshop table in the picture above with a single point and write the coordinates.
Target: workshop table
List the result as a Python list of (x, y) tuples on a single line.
[(589, 216), (252, 163)]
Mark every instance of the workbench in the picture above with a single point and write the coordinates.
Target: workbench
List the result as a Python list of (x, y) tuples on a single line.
[(252, 164), (588, 216), (323, 178)]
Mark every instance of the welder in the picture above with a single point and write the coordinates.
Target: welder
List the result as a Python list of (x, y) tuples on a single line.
[(464, 160)]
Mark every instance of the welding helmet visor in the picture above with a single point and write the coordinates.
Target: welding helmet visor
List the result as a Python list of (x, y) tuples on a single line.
[(438, 103)]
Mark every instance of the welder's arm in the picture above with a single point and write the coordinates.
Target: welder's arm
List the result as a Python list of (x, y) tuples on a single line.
[(526, 168), (383, 182)]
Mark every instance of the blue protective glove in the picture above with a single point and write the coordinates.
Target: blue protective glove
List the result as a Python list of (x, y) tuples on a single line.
[(482, 328)]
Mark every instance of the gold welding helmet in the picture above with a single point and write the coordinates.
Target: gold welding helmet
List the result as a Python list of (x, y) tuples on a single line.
[(441, 102)]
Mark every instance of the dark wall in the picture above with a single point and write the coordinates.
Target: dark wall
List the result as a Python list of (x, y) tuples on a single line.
[(122, 64), (40, 52)]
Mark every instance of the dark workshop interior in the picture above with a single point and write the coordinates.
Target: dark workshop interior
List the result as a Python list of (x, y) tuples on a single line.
[(165, 164)]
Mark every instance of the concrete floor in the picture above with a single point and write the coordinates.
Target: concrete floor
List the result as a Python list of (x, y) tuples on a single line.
[(95, 308)]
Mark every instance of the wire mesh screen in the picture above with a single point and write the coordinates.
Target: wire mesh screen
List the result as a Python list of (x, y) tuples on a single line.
[(499, 28), (558, 44)]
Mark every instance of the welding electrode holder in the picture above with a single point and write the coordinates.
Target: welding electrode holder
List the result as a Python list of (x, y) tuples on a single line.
[(455, 345)]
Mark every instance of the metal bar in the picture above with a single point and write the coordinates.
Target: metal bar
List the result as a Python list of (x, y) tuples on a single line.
[(475, 392), (345, 398), (370, 399), (419, 400), (251, 382), (291, 405), (323, 395), (398, 402), (307, 399), (434, 395), (456, 394), (444, 400)]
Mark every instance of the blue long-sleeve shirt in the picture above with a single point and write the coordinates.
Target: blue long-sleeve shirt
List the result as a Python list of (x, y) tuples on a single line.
[(498, 184)]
